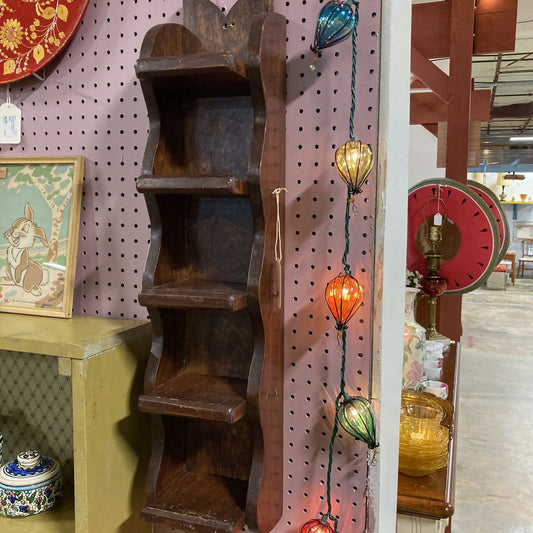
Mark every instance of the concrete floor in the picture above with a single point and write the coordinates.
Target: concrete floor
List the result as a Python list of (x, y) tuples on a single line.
[(494, 482)]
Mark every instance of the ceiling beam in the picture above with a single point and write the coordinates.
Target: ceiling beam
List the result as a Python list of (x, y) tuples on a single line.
[(494, 86), (513, 111)]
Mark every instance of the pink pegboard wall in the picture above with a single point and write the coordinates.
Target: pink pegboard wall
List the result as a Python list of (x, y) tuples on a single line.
[(318, 108), (90, 104)]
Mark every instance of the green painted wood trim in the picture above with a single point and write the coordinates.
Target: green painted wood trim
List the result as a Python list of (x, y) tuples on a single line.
[(79, 337)]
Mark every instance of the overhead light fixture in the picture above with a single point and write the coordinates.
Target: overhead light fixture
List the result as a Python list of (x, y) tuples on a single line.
[(514, 176), (521, 139)]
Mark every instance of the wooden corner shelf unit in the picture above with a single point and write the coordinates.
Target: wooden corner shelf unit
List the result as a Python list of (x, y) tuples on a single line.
[(215, 93)]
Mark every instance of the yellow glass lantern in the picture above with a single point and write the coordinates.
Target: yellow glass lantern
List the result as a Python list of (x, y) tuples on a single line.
[(354, 160)]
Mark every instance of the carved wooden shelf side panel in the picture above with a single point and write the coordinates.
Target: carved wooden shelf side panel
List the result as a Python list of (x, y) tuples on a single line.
[(215, 93)]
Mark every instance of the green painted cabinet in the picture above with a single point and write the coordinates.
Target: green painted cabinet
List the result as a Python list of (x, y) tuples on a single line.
[(69, 388)]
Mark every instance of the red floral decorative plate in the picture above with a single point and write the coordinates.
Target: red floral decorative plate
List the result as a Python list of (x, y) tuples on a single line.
[(470, 236), (33, 32)]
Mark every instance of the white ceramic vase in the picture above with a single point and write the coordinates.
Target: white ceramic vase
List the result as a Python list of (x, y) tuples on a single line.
[(414, 344)]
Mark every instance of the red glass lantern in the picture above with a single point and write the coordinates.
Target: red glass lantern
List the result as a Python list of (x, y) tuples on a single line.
[(344, 295), (316, 526)]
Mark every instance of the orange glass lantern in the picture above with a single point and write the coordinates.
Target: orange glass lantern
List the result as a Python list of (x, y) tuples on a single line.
[(317, 526), (354, 161), (344, 295)]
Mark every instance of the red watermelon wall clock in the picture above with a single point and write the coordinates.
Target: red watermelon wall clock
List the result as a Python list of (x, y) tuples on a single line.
[(470, 245), (33, 32), (493, 203)]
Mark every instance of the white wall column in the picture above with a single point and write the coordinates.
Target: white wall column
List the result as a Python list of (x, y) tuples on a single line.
[(391, 230)]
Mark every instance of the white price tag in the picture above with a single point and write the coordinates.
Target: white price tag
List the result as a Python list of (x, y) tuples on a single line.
[(437, 219), (10, 124)]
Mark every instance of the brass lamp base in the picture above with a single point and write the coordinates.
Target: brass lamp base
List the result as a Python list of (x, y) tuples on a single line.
[(434, 335), (431, 332)]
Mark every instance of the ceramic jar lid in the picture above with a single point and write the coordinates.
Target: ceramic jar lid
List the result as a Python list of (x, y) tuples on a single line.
[(29, 469)]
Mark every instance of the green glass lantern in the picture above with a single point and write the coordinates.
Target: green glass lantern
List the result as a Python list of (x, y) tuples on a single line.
[(356, 415)]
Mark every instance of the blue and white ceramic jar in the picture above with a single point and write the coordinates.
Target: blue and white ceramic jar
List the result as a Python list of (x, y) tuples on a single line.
[(30, 485)]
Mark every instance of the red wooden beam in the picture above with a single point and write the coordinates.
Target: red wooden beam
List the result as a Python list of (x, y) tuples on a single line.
[(462, 29), (459, 116), (432, 128), (430, 33), (427, 108), (495, 27), (431, 75)]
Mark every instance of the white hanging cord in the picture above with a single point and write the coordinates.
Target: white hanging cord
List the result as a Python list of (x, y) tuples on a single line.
[(278, 245), (8, 94), (278, 248)]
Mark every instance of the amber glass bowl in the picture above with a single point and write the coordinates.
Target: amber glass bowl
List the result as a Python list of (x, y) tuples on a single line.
[(425, 398), (423, 437)]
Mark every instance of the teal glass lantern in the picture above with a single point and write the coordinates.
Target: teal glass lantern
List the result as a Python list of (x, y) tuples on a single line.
[(356, 415), (336, 22)]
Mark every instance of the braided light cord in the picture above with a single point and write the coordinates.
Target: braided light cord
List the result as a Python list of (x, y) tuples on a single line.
[(347, 270)]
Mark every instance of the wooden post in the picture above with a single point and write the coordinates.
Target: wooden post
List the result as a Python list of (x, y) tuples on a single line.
[(461, 47)]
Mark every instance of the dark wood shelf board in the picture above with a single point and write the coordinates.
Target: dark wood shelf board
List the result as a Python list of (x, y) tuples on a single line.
[(198, 396), (424, 495), (197, 74), (194, 185), (196, 294), (203, 503)]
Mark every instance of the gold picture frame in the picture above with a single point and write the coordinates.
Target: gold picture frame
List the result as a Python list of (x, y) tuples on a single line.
[(40, 204)]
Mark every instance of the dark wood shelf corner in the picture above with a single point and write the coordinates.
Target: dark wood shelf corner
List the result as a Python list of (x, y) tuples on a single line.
[(195, 185), (198, 396), (196, 294), (214, 89), (201, 503), (206, 74)]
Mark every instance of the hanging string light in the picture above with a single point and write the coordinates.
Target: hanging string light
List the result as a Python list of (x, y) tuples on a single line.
[(318, 526), (354, 160), (344, 294), (336, 22), (356, 416)]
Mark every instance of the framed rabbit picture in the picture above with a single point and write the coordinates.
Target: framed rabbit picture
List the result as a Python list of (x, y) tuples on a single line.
[(40, 203)]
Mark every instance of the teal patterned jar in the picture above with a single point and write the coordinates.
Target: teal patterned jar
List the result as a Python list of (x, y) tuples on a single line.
[(414, 344)]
